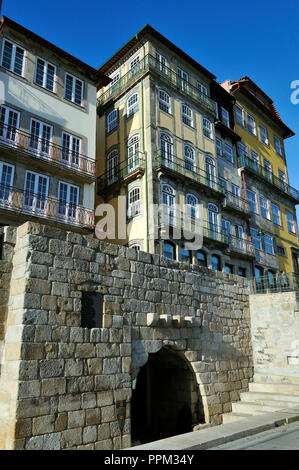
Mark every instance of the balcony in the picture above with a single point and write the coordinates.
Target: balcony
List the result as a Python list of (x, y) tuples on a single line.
[(121, 173), (273, 283), (267, 177), (43, 150), (151, 64), (241, 247), (236, 204), (25, 203), (266, 259), (175, 167)]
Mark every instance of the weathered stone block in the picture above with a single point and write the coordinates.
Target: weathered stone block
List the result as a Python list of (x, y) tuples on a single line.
[(90, 434), (76, 419), (43, 425)]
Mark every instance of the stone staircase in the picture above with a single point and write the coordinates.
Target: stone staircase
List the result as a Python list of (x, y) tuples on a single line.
[(265, 397)]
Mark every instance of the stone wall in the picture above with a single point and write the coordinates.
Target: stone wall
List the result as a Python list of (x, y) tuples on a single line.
[(275, 335), (61, 384)]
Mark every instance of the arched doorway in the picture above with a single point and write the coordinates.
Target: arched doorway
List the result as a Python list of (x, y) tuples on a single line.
[(166, 399)]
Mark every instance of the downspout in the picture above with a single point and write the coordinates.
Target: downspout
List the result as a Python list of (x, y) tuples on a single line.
[(248, 225)]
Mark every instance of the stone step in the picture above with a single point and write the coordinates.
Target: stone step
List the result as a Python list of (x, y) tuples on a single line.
[(280, 388), (279, 379), (252, 408), (265, 396), (230, 417)]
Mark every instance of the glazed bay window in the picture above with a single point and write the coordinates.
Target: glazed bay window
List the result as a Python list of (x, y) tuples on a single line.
[(132, 104), (40, 138), (73, 89), (276, 214), (187, 115), (268, 242), (264, 207), (35, 193), (68, 200), (239, 115), (251, 124), (13, 57), (207, 128), (9, 123), (291, 222), (112, 120), (256, 239), (134, 202), (264, 134), (45, 74), (71, 149), (225, 116), (164, 101), (277, 145), (251, 197)]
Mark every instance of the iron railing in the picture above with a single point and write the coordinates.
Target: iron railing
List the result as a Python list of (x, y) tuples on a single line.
[(119, 171), (37, 205), (241, 246), (45, 150), (236, 202), (189, 170), (268, 176), (150, 63), (272, 283)]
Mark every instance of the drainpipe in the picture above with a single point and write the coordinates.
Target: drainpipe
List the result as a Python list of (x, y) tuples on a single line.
[(248, 225)]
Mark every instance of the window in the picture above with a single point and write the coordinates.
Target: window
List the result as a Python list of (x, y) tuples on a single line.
[(45, 74), (164, 101), (218, 147), (264, 134), (228, 152), (202, 88), (226, 228), (280, 250), (225, 116), (168, 199), (9, 123), (166, 147), (68, 200), (216, 264), (251, 124), (161, 62), (134, 202), (213, 217), (136, 246), (192, 205), (13, 57), (242, 272), (183, 79), (290, 222), (6, 181), (282, 179), (115, 83), (189, 157), (251, 196), (210, 172), (132, 104), (235, 190), (268, 241), (229, 269), (92, 310), (264, 207), (256, 239), (73, 89), (276, 214), (187, 116), (243, 150), (255, 157), (112, 167), (71, 149), (207, 128), (133, 153), (223, 183), (277, 145), (35, 193), (268, 169), (186, 256), (201, 258), (169, 250), (134, 62), (112, 120), (239, 115), (40, 138)]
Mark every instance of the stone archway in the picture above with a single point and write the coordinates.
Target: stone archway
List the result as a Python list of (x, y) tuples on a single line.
[(165, 401)]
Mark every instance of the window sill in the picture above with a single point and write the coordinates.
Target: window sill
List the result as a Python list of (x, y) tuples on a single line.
[(78, 106), (45, 89)]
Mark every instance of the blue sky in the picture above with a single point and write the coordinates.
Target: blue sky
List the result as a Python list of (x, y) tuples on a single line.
[(231, 39)]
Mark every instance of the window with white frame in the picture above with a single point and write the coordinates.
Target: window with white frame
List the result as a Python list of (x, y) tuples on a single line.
[(187, 115), (13, 57), (276, 214), (264, 134), (264, 208), (73, 89), (251, 124), (35, 192), (256, 239), (134, 62), (45, 74), (225, 116), (228, 152), (40, 140), (112, 166), (243, 149), (136, 246), (239, 115), (255, 156), (112, 120), (192, 205), (189, 156), (213, 217), (161, 62), (132, 104), (235, 190), (183, 79), (6, 181), (218, 147), (269, 246), (202, 88), (207, 127), (251, 197), (291, 222), (164, 101), (68, 200), (134, 202), (71, 149), (277, 145), (133, 153), (115, 82), (210, 169), (9, 123), (268, 168), (168, 201), (166, 146)]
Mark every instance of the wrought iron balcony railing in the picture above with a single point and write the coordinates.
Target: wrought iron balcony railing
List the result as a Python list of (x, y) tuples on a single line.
[(236, 203), (43, 149), (121, 171), (42, 206), (273, 283), (268, 177), (150, 63), (241, 246), (189, 170)]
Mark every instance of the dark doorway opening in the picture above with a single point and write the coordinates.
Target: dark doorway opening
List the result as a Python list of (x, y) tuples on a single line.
[(92, 310), (166, 400)]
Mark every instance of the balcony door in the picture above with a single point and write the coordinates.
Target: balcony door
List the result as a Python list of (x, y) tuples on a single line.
[(9, 123), (168, 201), (40, 138), (213, 221), (133, 154), (112, 167), (166, 146), (35, 193), (68, 201), (6, 180), (71, 149), (210, 172)]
